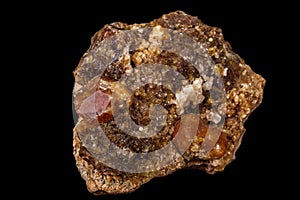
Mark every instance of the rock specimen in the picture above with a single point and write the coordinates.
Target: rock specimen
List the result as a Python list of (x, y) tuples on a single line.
[(157, 97)]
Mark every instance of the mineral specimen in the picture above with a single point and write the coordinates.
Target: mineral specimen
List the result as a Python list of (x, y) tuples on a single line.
[(156, 97)]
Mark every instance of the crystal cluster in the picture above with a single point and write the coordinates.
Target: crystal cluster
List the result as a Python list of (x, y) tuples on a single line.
[(153, 98)]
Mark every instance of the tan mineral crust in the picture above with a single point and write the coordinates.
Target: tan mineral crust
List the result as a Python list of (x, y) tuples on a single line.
[(153, 98)]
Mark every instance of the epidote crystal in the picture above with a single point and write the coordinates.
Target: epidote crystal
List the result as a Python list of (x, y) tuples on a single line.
[(156, 97)]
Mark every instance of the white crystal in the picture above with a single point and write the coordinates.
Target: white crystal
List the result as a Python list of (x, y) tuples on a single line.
[(214, 117)]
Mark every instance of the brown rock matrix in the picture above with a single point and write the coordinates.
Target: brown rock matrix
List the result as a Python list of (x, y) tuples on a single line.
[(153, 98)]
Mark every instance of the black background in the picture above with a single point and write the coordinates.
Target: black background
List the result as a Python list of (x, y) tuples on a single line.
[(61, 34)]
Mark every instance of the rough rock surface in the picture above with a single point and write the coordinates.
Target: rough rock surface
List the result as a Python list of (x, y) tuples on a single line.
[(156, 97)]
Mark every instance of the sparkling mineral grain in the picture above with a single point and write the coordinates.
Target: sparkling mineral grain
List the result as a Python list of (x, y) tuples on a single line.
[(153, 98)]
